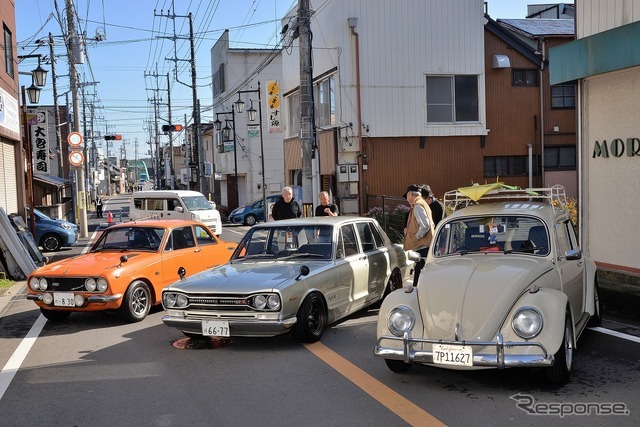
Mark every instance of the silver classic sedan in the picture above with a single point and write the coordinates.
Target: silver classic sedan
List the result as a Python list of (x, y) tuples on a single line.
[(295, 276)]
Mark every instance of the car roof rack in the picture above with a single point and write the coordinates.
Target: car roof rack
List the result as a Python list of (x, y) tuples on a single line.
[(477, 193)]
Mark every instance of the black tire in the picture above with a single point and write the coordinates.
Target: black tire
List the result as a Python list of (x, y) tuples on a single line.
[(311, 320), (136, 303), (563, 359), (397, 366), (51, 242), (596, 319), (250, 220), (395, 282), (54, 315)]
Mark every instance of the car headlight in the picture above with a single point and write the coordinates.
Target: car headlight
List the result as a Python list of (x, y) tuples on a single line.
[(90, 284), (181, 301), (273, 302), (260, 302), (66, 226), (102, 284), (78, 300), (169, 299), (34, 284), (270, 302), (195, 217), (527, 322), (43, 284), (400, 320)]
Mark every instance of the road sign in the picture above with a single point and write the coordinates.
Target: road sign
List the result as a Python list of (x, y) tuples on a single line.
[(76, 158), (75, 139)]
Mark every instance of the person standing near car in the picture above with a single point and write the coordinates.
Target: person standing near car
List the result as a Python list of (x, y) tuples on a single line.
[(419, 231), (436, 206), (286, 207), (326, 208), (98, 207)]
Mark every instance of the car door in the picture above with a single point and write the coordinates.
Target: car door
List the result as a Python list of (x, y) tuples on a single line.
[(571, 271), (377, 258), (181, 251), (352, 270), (213, 251)]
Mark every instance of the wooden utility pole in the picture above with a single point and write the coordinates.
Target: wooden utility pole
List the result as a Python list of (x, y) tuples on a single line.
[(306, 101)]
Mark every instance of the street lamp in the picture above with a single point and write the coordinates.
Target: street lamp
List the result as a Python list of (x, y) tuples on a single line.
[(229, 134), (239, 104), (38, 79)]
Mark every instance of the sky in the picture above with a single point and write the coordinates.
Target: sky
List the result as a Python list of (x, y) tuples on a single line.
[(128, 43)]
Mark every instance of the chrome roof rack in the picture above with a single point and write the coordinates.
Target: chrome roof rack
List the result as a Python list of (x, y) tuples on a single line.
[(476, 194)]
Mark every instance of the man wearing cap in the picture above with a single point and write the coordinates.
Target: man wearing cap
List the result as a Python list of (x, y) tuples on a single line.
[(419, 231), (436, 206)]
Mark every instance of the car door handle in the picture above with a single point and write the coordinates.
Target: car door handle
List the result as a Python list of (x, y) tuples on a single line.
[(363, 258), (198, 250)]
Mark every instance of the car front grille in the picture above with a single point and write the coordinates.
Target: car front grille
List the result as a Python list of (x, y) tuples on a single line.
[(219, 302), (61, 284)]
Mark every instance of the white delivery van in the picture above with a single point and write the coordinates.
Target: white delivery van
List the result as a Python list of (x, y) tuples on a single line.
[(175, 204)]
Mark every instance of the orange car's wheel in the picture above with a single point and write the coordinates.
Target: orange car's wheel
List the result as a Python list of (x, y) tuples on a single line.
[(55, 315), (137, 302)]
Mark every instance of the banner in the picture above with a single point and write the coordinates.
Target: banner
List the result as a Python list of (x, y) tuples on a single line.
[(273, 106), (40, 142)]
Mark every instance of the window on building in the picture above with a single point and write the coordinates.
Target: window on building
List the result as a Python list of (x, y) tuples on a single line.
[(324, 102), (452, 99), (563, 96), (8, 52), (527, 78), (508, 166), (218, 81), (293, 114), (560, 157)]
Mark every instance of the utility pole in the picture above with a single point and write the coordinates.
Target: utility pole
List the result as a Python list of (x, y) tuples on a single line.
[(306, 102), (172, 172), (56, 111), (80, 181)]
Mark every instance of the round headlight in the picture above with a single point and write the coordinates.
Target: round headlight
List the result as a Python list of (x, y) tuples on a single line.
[(169, 299), (259, 302), (527, 322), (47, 298), (102, 284), (78, 300), (90, 284), (273, 302), (181, 300), (401, 319), (43, 284), (34, 284)]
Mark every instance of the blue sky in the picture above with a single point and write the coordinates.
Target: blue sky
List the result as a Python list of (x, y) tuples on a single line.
[(134, 45)]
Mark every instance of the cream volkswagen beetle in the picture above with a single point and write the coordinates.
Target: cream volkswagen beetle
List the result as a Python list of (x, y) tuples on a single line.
[(505, 285)]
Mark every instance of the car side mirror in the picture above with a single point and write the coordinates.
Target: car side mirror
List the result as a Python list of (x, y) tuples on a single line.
[(573, 254), (413, 256), (182, 272), (179, 209), (304, 271)]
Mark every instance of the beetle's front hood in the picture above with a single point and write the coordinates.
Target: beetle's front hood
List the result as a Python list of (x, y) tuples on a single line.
[(96, 263), (473, 293), (242, 277)]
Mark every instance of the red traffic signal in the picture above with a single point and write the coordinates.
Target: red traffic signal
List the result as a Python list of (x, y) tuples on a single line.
[(113, 137), (171, 128)]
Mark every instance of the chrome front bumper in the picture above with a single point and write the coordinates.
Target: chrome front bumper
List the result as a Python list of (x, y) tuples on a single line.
[(238, 327), (498, 359), (91, 299)]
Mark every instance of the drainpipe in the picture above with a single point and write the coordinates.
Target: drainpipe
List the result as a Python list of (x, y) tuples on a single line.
[(541, 46), (352, 24)]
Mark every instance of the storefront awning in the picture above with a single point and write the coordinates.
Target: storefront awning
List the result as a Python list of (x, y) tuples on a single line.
[(51, 180)]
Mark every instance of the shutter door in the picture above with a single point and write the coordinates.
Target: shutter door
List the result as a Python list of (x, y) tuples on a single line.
[(8, 186)]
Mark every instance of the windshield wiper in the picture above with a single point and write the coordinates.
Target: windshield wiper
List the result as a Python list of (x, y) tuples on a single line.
[(303, 255)]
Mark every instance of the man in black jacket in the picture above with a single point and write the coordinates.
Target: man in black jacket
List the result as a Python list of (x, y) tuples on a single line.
[(437, 208), (286, 207)]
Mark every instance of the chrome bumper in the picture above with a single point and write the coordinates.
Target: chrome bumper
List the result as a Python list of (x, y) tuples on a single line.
[(237, 327), (498, 359), (92, 299)]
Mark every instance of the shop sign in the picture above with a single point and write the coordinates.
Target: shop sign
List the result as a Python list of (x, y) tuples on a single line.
[(616, 148)]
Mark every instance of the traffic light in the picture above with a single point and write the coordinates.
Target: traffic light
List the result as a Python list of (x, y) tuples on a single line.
[(113, 137), (171, 128)]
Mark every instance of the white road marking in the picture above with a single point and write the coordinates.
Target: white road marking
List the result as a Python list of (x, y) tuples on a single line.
[(18, 356), (617, 334)]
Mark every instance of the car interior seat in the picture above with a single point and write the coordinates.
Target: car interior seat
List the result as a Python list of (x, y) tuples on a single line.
[(179, 241)]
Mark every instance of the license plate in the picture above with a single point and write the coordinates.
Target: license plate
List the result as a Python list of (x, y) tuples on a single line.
[(63, 299), (446, 354), (215, 328)]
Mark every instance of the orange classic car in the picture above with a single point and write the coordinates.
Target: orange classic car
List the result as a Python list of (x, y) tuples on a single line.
[(127, 268)]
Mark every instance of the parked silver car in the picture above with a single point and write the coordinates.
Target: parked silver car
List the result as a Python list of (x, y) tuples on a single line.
[(505, 285), (295, 276)]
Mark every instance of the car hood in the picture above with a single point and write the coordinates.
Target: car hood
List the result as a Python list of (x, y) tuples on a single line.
[(242, 277), (474, 292), (96, 263)]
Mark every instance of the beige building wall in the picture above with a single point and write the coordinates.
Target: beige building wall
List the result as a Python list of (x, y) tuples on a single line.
[(612, 184)]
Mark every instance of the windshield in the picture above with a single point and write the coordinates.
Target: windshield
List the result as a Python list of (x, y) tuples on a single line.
[(277, 243), (197, 203), (504, 234), (130, 238)]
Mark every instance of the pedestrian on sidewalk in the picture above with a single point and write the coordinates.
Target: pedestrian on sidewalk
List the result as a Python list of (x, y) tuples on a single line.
[(98, 207)]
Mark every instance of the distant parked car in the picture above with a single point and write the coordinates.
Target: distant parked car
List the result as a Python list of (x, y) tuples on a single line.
[(52, 234), (296, 276), (505, 285), (127, 268), (253, 212)]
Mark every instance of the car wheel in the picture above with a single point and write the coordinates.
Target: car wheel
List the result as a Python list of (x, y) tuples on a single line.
[(137, 302), (51, 242), (250, 220), (596, 319), (397, 365), (311, 320), (55, 315), (395, 282), (563, 359)]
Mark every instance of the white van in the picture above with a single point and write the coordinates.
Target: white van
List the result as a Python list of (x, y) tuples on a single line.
[(181, 204)]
